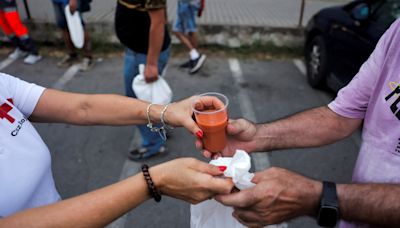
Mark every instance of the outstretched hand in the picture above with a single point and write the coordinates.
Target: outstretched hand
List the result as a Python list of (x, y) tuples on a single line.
[(240, 135), (190, 180), (279, 195), (180, 113)]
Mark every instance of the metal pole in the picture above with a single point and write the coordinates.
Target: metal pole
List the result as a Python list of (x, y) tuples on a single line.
[(28, 12), (301, 13)]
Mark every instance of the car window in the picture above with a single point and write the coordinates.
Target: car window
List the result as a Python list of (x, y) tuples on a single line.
[(385, 12)]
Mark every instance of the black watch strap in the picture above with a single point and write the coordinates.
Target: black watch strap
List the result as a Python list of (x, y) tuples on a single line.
[(328, 214), (329, 194)]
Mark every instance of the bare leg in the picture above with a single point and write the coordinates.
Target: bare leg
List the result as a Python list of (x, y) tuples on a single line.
[(68, 42), (193, 39), (184, 39), (88, 45)]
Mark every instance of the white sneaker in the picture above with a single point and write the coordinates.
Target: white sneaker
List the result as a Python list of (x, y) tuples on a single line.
[(32, 59), (17, 53)]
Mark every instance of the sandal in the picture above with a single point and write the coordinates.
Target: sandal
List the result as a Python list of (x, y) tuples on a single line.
[(141, 154)]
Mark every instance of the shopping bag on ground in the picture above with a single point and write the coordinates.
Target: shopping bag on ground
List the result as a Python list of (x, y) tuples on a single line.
[(157, 92)]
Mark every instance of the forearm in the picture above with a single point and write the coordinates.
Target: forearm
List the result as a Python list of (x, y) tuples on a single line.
[(83, 109), (376, 204), (94, 209), (156, 36), (315, 127), (115, 110)]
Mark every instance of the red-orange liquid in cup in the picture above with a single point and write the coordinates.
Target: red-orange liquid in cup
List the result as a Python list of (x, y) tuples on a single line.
[(213, 125)]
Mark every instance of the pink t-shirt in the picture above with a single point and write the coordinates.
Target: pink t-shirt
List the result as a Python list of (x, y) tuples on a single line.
[(374, 95)]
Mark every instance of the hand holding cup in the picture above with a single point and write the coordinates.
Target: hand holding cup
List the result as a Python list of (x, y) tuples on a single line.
[(211, 114)]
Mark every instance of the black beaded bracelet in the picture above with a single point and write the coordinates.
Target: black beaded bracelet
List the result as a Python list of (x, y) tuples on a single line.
[(150, 184)]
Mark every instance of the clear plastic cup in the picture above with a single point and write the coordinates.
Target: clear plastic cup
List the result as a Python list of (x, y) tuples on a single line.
[(211, 113)]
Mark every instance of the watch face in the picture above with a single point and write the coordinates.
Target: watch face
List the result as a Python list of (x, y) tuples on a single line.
[(328, 216)]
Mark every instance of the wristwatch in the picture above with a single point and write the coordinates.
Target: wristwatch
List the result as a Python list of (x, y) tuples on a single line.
[(328, 213)]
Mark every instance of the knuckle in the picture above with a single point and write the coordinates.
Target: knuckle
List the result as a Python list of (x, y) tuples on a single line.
[(273, 219), (274, 169), (265, 214), (241, 121), (243, 204), (269, 195), (200, 197), (191, 161)]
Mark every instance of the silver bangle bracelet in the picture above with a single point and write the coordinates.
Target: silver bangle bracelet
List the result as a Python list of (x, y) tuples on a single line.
[(148, 114), (162, 131), (165, 125)]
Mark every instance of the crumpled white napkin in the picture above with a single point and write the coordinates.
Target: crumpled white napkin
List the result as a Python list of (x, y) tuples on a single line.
[(238, 168)]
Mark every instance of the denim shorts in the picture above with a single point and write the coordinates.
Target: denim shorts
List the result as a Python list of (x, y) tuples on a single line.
[(60, 16), (185, 18)]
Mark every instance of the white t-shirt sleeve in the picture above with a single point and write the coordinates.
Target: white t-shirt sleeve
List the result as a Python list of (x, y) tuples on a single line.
[(24, 95), (352, 101)]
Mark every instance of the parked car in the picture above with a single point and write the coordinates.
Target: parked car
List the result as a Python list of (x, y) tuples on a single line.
[(340, 39)]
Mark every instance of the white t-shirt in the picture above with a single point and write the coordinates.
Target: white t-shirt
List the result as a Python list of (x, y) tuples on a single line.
[(26, 179)]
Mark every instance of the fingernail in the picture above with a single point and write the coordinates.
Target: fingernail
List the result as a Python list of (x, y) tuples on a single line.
[(199, 134), (222, 168)]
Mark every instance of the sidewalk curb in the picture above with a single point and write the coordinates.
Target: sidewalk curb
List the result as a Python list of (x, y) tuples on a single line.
[(233, 36)]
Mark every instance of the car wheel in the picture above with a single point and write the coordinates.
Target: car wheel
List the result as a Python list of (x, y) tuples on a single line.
[(317, 62)]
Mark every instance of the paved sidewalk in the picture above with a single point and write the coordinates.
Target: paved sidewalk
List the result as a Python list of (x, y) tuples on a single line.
[(270, 13)]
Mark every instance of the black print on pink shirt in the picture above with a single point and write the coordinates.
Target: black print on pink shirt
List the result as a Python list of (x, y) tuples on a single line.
[(397, 150), (393, 106)]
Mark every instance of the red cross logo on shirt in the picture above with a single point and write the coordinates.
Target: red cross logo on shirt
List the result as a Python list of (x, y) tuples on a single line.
[(4, 109)]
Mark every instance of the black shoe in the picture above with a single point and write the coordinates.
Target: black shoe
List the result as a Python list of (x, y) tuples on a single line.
[(142, 153), (196, 64), (185, 64)]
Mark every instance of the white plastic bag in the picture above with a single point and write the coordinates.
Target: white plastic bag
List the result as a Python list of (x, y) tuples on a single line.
[(75, 27), (212, 214), (157, 92)]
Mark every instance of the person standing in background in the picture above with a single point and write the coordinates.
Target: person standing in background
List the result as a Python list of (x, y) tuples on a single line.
[(141, 28), (17, 33), (75, 5), (186, 30)]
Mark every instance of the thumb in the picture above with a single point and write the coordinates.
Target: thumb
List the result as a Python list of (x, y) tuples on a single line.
[(239, 126), (240, 199), (209, 169), (217, 184), (234, 127), (258, 177), (220, 185)]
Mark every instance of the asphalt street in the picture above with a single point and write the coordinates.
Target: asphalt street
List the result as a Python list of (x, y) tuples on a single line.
[(87, 158)]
